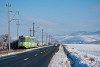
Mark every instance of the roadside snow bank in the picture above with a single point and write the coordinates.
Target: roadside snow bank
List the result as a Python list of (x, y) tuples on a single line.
[(13, 52), (81, 59), (59, 59)]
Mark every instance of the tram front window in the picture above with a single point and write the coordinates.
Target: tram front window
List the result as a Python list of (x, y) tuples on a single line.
[(22, 39)]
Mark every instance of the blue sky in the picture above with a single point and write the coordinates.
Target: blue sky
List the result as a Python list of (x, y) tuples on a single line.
[(56, 17)]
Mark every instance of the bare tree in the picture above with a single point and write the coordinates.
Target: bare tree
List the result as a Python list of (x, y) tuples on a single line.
[(3, 41)]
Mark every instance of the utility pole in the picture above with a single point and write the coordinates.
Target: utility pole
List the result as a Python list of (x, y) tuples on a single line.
[(49, 39), (46, 38), (42, 36), (30, 31), (17, 28), (33, 29), (8, 5)]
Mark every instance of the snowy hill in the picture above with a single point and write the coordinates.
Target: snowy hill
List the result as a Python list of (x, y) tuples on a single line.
[(85, 33), (81, 37)]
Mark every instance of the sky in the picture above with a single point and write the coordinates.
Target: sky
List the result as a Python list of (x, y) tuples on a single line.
[(56, 17)]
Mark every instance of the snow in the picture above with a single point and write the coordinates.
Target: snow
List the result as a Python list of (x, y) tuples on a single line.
[(93, 49), (62, 38), (81, 59), (91, 38), (86, 38), (59, 59), (14, 52), (75, 55)]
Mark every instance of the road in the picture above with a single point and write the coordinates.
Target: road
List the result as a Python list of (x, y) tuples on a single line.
[(35, 58)]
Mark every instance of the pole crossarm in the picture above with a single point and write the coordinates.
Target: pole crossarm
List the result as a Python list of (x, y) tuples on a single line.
[(14, 15)]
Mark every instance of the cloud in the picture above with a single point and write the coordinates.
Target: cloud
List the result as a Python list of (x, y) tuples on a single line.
[(41, 22), (48, 25)]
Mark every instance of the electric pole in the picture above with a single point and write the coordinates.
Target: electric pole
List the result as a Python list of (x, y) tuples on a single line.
[(30, 31), (42, 36), (33, 29), (17, 28), (46, 38), (8, 5), (49, 39)]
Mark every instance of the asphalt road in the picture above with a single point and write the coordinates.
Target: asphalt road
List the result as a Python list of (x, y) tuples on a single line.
[(35, 58)]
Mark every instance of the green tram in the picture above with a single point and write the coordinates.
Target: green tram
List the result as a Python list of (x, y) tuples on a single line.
[(27, 42)]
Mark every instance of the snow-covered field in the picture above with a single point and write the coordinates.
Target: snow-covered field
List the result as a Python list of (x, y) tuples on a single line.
[(93, 49), (83, 55)]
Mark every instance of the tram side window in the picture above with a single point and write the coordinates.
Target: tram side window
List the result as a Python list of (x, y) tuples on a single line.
[(34, 40), (28, 40), (22, 39)]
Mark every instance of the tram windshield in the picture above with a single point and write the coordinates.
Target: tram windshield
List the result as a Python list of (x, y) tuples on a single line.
[(22, 39)]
